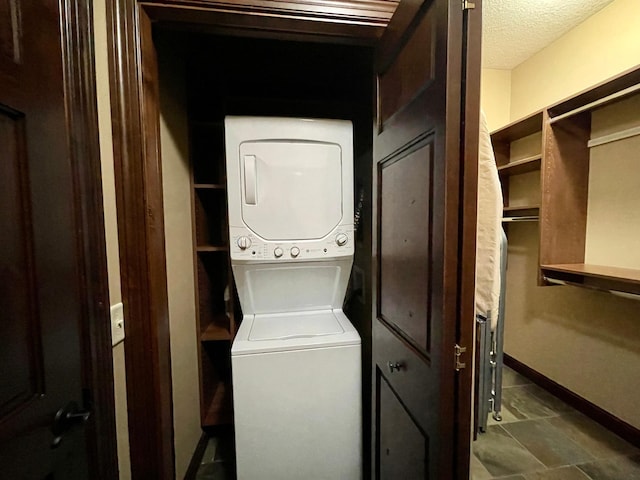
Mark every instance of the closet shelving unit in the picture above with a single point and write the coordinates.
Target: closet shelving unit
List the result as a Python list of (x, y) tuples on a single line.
[(565, 186), (565, 140), (216, 307), (513, 161)]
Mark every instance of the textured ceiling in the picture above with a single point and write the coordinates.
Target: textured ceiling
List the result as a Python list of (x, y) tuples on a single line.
[(513, 30)]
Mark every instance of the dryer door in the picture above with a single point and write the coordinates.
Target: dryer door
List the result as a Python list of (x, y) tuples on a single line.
[(291, 190)]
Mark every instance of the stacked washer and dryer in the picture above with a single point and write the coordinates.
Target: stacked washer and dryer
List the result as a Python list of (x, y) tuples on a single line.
[(296, 364)]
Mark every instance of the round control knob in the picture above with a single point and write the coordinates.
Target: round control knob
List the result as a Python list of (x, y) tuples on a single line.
[(244, 243), (277, 252), (295, 251), (341, 239)]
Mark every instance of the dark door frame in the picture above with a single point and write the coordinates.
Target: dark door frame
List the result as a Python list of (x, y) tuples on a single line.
[(138, 175), (82, 119)]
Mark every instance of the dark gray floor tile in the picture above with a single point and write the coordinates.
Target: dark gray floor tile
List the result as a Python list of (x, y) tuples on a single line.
[(616, 468), (478, 472), (550, 401), (216, 471), (511, 378), (547, 443), (520, 403), (562, 473), (591, 436), (501, 455), (210, 452)]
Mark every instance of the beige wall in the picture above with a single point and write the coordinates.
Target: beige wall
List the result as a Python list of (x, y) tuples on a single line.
[(111, 229), (586, 341), (179, 247), (604, 45), (495, 94)]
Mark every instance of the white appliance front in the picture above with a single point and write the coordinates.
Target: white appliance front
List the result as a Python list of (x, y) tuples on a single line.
[(292, 286), (290, 188), (297, 400)]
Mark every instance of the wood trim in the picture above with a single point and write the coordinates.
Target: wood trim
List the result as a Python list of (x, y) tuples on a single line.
[(303, 21), (472, 35), (133, 83), (196, 458), (84, 148), (621, 428)]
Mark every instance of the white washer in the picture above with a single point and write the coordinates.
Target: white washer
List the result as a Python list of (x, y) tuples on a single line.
[(296, 363)]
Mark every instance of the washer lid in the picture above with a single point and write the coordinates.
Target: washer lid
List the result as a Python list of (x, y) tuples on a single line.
[(271, 333), (294, 325)]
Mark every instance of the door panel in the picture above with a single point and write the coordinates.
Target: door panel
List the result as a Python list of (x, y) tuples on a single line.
[(405, 447), (419, 160), (41, 359), (405, 253), (20, 356)]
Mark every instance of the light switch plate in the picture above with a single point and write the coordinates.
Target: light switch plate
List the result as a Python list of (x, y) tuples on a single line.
[(117, 324)]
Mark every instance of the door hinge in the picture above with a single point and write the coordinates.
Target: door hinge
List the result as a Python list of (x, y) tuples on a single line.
[(468, 5), (458, 351)]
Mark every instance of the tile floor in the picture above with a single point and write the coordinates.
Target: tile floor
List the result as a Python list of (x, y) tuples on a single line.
[(541, 438), (218, 461)]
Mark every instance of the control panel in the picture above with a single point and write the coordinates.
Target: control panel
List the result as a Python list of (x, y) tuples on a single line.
[(245, 245)]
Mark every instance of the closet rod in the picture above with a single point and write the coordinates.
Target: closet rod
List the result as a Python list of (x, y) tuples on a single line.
[(617, 293), (596, 103), (614, 137)]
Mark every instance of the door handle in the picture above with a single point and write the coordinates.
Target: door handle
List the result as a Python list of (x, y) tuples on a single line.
[(65, 419), (394, 366), (250, 188)]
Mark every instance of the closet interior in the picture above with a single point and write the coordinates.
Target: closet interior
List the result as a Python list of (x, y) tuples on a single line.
[(564, 166), (258, 77)]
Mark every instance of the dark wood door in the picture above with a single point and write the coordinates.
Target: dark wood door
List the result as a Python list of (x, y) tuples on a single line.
[(421, 249), (43, 263)]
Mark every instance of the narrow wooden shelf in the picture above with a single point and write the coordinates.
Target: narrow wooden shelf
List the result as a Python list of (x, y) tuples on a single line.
[(518, 129), (527, 213), (220, 411), (595, 276), (212, 248), (216, 331), (518, 167), (209, 186)]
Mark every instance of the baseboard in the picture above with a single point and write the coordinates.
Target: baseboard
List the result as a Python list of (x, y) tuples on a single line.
[(604, 418), (196, 458)]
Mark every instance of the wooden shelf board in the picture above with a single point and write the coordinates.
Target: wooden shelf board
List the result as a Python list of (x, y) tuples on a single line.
[(510, 214), (596, 276), (212, 248), (220, 411), (216, 330), (524, 218), (518, 129), (518, 167), (209, 186)]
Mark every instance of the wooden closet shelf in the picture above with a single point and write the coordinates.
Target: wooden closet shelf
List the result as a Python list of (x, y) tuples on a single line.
[(212, 248), (595, 276), (209, 186), (518, 129), (216, 330), (517, 167), (220, 411)]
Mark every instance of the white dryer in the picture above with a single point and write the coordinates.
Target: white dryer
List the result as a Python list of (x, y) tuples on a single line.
[(296, 364)]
